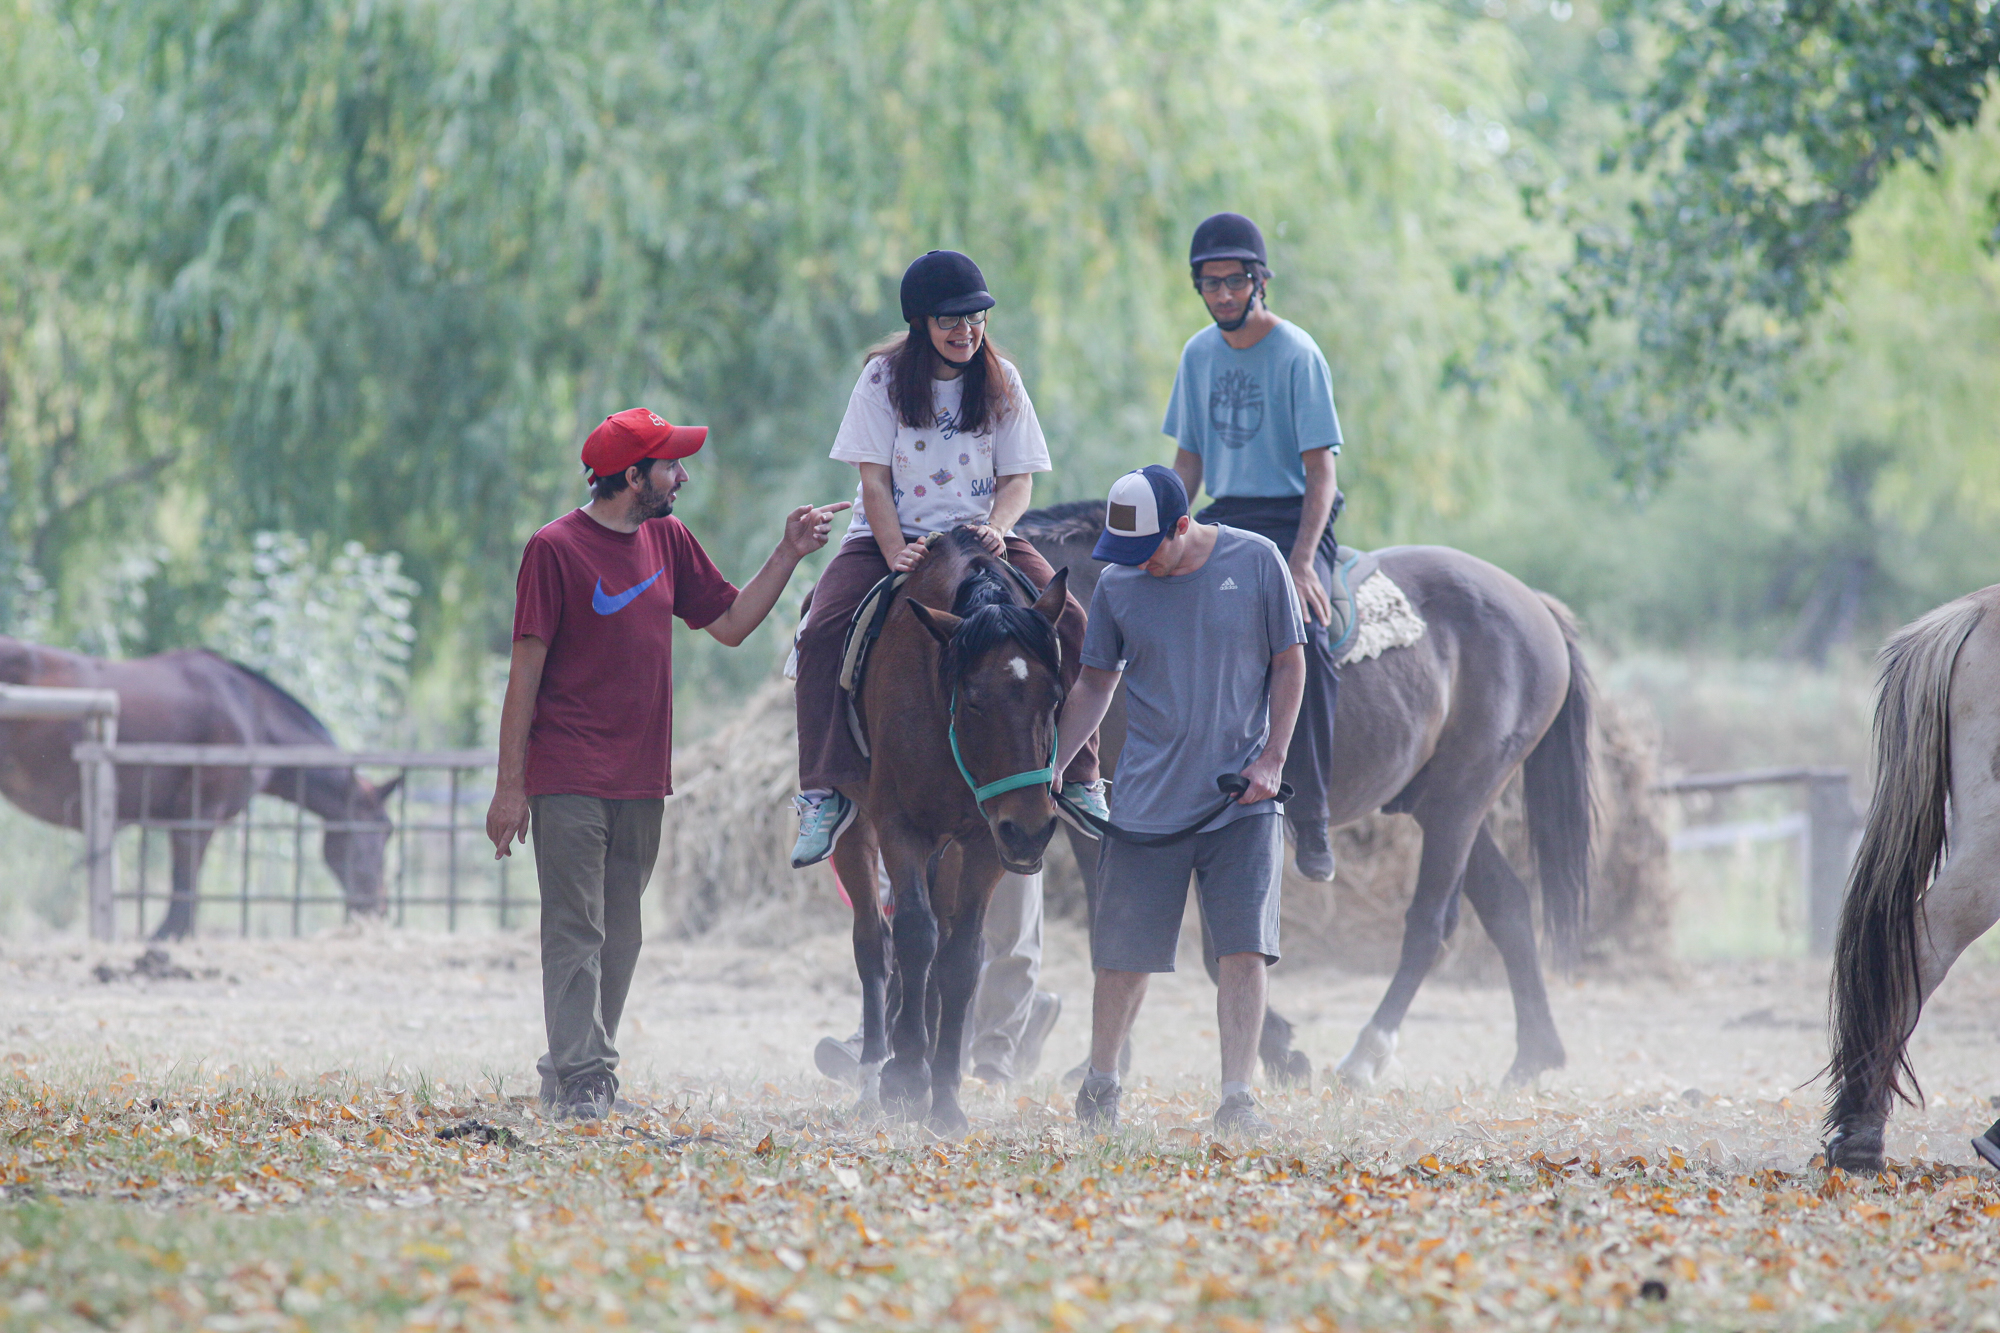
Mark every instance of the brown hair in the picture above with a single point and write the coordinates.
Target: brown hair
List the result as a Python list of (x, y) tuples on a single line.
[(912, 361)]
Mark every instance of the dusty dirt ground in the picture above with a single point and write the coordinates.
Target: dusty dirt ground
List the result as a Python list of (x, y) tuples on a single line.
[(1725, 1053)]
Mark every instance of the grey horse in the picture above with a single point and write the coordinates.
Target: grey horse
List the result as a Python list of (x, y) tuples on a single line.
[(1435, 730), (1915, 898)]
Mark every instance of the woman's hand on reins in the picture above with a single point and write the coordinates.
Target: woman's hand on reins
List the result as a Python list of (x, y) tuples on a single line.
[(990, 538), (909, 557)]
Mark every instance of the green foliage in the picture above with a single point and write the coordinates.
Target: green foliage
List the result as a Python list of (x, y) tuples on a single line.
[(1762, 128), (339, 636), (367, 272)]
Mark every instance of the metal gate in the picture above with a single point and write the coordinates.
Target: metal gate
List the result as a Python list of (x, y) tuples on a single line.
[(263, 864)]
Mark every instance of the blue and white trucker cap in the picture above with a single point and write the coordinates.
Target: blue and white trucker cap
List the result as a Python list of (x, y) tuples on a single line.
[(1141, 513)]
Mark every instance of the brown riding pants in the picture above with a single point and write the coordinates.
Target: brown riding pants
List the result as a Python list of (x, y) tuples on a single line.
[(828, 756)]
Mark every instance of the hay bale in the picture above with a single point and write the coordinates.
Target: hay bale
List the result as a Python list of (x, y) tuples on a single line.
[(725, 856), (725, 853)]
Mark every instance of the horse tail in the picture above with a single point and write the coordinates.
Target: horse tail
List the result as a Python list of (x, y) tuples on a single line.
[(1876, 987), (1558, 795)]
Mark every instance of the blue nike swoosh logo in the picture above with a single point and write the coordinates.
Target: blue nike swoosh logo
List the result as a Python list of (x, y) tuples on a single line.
[(610, 605)]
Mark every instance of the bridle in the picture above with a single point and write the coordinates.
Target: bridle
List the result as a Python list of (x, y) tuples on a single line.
[(1045, 776)]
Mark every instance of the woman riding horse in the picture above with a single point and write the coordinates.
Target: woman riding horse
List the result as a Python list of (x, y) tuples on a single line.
[(944, 435)]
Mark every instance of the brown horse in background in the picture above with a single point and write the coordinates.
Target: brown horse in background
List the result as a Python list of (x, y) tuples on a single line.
[(961, 656), (1916, 898), (191, 697)]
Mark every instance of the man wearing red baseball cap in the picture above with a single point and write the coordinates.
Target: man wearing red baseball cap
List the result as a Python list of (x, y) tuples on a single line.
[(586, 732)]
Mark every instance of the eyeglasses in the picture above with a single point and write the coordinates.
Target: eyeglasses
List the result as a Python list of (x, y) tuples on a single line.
[(1235, 282), (946, 323)]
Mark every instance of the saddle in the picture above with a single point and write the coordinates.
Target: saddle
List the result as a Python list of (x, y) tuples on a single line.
[(866, 627)]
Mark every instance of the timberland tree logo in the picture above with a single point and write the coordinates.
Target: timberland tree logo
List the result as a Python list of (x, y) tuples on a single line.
[(1236, 407)]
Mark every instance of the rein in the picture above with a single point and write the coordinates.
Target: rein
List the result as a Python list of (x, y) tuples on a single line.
[(1232, 785), (1045, 776)]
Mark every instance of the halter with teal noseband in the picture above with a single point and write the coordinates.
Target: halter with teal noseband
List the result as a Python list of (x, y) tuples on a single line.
[(981, 795)]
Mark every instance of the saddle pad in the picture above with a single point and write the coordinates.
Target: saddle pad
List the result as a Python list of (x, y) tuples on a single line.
[(1383, 619)]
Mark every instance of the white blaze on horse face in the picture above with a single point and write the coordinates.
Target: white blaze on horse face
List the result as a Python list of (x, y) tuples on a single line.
[(1018, 667)]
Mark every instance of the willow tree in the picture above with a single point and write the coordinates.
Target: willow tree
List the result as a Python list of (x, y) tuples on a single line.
[(367, 271)]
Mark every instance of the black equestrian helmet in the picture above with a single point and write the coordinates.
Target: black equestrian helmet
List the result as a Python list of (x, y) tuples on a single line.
[(1226, 236), (943, 282)]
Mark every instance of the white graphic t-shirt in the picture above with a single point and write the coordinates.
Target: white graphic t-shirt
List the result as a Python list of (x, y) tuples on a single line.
[(940, 476)]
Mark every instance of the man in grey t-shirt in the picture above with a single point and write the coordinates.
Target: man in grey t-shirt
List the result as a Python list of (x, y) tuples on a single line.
[(1203, 623)]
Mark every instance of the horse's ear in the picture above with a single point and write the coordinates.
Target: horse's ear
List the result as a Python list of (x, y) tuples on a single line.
[(388, 789), (941, 624), (1050, 603)]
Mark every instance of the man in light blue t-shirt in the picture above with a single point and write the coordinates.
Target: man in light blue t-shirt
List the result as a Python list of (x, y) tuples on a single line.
[(1252, 410)]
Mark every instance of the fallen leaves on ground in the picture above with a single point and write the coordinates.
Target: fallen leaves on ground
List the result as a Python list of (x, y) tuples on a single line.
[(356, 1205)]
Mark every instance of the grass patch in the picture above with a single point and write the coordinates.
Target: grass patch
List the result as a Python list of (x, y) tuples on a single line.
[(239, 1206)]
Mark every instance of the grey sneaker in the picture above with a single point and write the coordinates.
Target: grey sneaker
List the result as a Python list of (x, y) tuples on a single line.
[(839, 1060), (821, 823), (1311, 852), (1240, 1115), (1088, 797), (1042, 1016), (1097, 1103), (589, 1096)]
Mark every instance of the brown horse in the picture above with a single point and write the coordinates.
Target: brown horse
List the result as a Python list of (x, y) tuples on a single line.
[(959, 707), (1915, 900), (1435, 730), (191, 697)]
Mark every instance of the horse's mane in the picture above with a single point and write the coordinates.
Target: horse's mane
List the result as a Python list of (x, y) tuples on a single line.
[(990, 616), (287, 702), (1071, 521)]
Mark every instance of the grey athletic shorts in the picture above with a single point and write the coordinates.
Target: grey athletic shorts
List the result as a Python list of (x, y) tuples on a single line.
[(1142, 894)]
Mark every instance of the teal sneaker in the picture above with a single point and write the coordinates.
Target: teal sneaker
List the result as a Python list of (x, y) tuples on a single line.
[(1088, 797), (821, 823)]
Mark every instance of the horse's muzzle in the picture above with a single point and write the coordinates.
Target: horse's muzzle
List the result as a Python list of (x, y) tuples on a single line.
[(1021, 850)]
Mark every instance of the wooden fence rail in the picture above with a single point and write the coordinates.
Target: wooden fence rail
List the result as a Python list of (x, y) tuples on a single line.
[(1829, 825)]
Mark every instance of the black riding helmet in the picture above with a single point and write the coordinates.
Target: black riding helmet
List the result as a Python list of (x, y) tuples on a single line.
[(1226, 236), (943, 282)]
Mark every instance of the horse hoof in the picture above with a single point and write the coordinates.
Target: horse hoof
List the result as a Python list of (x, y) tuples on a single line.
[(947, 1121), (1857, 1151), (906, 1088), (1290, 1069), (1363, 1067), (1527, 1068)]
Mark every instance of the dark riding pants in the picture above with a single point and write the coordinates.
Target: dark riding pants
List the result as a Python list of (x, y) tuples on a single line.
[(1309, 765), (828, 756)]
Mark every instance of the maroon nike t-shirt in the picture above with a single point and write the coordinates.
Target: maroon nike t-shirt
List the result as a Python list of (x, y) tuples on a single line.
[(604, 603)]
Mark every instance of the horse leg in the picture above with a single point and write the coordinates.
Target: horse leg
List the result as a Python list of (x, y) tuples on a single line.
[(955, 977), (1447, 841), (1505, 910), (188, 846), (1961, 905), (906, 1079), (854, 860), (1284, 1066)]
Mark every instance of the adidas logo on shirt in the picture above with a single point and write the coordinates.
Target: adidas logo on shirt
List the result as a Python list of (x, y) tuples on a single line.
[(1228, 584)]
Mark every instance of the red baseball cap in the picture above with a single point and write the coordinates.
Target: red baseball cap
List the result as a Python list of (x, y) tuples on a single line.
[(624, 438)]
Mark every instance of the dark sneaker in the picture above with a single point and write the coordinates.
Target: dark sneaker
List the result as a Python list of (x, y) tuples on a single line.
[(839, 1060), (1311, 852), (589, 1096), (1097, 1103), (1240, 1115), (1042, 1016)]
